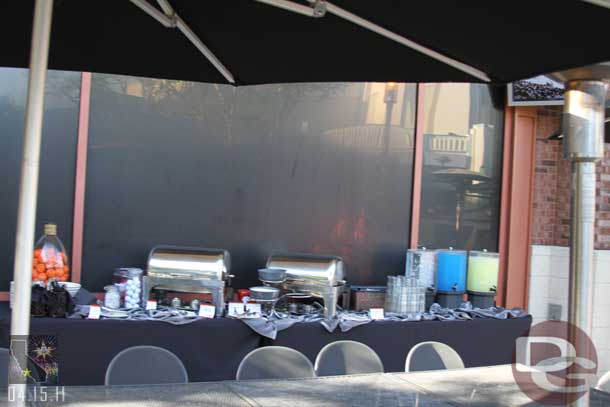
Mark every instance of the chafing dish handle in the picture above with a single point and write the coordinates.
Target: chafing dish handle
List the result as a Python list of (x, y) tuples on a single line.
[(296, 280)]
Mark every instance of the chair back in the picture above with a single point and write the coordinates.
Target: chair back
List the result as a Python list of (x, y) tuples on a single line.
[(604, 382), (4, 355), (274, 362), (347, 357), (145, 365), (432, 356)]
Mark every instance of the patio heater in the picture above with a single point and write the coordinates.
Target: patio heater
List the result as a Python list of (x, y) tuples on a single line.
[(585, 94), (389, 98)]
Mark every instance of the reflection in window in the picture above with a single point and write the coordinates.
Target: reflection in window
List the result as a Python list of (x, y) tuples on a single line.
[(57, 156), (314, 167), (462, 160)]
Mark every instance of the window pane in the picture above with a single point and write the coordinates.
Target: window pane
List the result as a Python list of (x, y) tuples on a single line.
[(58, 155), (462, 164), (316, 167)]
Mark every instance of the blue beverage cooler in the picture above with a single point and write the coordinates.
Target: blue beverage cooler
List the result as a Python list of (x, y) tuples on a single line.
[(451, 277)]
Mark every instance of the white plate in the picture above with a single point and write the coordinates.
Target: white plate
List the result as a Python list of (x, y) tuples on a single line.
[(71, 287)]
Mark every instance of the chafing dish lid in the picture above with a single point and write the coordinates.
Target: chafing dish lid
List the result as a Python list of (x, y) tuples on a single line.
[(310, 268), (184, 261)]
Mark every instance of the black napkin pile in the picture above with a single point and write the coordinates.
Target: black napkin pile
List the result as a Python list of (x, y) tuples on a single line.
[(53, 302)]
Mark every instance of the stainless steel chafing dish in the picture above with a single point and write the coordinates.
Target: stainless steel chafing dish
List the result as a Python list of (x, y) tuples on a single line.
[(316, 275), (188, 269)]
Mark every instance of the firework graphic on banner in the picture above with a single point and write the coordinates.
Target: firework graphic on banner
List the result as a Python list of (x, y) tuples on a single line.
[(43, 352)]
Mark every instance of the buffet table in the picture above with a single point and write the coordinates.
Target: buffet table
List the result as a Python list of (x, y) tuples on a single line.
[(480, 342), (212, 349)]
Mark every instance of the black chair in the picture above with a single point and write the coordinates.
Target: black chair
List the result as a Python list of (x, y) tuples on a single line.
[(4, 355), (347, 357), (432, 356), (274, 362), (145, 365)]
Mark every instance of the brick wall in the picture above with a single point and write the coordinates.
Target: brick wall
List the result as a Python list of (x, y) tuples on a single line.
[(551, 203), (602, 230)]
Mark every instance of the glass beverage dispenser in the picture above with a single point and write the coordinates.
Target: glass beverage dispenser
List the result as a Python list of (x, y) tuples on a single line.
[(421, 265), (451, 277), (483, 269), (452, 271)]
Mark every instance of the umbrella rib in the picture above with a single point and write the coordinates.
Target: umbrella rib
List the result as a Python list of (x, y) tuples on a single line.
[(195, 40), (290, 6), (600, 3), (166, 7), (170, 19), (320, 7), (346, 15), (188, 33), (153, 12)]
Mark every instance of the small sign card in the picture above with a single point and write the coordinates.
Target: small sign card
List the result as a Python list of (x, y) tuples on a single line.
[(376, 313), (151, 304), (254, 309), (207, 311), (235, 309), (95, 312)]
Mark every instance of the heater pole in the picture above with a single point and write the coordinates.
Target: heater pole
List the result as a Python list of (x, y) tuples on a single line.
[(28, 191), (583, 127)]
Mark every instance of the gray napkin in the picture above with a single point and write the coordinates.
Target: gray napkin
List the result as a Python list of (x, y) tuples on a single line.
[(349, 320), (270, 327), (330, 324)]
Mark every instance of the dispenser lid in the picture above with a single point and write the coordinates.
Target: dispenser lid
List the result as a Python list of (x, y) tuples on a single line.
[(421, 250), (483, 253), (451, 250)]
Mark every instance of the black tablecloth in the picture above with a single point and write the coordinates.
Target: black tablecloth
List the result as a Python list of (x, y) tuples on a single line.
[(212, 349), (480, 342)]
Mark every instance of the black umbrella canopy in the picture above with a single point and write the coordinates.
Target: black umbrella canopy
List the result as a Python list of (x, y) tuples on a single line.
[(259, 43)]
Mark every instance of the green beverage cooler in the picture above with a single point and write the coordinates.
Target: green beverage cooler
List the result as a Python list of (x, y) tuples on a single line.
[(482, 281)]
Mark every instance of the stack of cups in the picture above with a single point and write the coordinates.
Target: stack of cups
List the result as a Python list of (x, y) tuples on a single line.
[(389, 294), (402, 302), (405, 295)]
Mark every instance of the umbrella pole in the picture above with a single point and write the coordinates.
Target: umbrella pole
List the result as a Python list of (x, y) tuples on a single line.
[(583, 126), (28, 188)]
